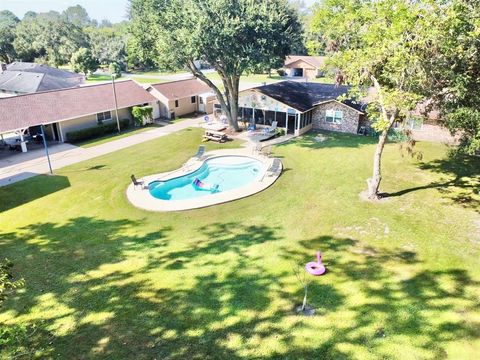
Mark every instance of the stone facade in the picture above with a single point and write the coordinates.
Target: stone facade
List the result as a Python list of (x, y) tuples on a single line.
[(349, 124)]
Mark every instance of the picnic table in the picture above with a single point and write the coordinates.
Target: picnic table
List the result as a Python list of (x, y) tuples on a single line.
[(215, 136)]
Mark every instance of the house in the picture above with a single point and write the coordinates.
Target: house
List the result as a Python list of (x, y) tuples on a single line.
[(24, 78), (182, 97), (308, 67), (299, 107), (66, 110)]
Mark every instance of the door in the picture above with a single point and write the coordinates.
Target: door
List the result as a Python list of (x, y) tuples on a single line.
[(201, 104), (291, 124)]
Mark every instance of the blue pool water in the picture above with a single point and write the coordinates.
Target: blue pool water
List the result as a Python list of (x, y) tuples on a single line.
[(218, 174)]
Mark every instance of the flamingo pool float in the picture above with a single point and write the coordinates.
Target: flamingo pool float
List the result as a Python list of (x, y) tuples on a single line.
[(316, 267)]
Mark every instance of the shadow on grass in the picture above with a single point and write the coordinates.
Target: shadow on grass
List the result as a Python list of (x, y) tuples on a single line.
[(463, 184), (31, 189), (219, 296)]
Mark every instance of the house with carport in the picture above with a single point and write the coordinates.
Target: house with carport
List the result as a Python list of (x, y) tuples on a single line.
[(65, 110)]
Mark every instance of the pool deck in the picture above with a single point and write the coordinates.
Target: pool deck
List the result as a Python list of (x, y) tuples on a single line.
[(141, 198)]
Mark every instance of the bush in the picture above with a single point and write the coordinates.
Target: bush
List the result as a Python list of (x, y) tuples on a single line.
[(96, 131), (116, 69), (281, 72), (142, 115)]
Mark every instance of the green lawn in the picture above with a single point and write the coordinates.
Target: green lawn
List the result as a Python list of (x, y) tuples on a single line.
[(264, 78), (94, 78), (113, 136), (147, 80), (106, 280)]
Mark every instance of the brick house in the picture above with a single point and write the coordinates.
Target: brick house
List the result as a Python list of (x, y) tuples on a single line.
[(299, 107)]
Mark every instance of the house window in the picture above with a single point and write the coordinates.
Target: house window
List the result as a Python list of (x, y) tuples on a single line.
[(176, 103), (193, 99), (334, 117), (415, 123), (200, 100), (107, 115)]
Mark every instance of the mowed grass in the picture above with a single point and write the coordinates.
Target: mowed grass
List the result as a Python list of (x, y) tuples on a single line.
[(115, 136), (107, 280)]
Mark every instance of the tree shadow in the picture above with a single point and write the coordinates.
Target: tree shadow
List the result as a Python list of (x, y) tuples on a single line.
[(221, 296), (463, 185), (39, 186)]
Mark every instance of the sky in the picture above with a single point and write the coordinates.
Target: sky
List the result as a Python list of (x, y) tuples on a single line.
[(112, 10)]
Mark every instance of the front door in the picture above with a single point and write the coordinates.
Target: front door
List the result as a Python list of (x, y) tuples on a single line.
[(291, 124), (201, 104)]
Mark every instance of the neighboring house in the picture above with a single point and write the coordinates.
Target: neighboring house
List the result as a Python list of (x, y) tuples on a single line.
[(182, 97), (62, 111), (24, 78), (309, 67), (299, 107)]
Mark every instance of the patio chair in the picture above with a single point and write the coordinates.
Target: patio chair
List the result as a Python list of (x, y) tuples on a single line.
[(200, 152), (271, 129), (136, 182), (273, 169)]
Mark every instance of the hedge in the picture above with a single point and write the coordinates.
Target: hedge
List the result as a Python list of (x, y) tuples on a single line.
[(96, 131)]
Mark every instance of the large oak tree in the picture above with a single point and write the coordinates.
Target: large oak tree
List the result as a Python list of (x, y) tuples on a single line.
[(233, 36)]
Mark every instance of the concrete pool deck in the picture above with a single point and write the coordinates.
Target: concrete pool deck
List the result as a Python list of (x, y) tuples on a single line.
[(141, 197)]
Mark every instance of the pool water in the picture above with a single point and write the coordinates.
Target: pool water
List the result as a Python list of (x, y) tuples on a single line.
[(217, 175)]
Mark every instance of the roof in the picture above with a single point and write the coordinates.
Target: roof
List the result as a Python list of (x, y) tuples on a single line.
[(304, 96), (315, 61), (46, 107), (29, 82), (182, 88), (42, 69)]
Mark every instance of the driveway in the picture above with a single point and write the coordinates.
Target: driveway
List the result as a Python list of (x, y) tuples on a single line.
[(23, 166)]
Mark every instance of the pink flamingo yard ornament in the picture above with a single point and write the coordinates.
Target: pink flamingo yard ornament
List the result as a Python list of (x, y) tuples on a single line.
[(316, 267)]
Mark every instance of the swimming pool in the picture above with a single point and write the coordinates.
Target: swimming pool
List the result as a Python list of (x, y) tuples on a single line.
[(216, 175)]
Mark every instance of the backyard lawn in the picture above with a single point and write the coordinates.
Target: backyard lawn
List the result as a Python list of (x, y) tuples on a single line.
[(106, 280)]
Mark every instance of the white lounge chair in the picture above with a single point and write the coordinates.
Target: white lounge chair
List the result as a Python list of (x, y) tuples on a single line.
[(271, 129)]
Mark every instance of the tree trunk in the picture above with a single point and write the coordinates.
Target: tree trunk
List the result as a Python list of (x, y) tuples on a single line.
[(229, 100), (374, 182)]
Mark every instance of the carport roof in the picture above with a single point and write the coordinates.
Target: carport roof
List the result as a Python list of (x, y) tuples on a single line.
[(18, 112)]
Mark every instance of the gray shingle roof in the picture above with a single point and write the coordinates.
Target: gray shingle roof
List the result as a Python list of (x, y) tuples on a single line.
[(304, 96), (30, 77)]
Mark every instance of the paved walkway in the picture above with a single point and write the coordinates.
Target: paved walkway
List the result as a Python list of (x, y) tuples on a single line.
[(24, 166)]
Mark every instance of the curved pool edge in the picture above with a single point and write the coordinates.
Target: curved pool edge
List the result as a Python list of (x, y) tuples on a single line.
[(141, 198)]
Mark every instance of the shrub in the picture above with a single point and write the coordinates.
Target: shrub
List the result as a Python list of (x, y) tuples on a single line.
[(96, 131), (116, 69), (281, 72), (142, 114)]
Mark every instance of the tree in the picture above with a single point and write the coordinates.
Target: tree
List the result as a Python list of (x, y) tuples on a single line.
[(115, 69), (235, 37), (108, 44), (83, 61), (76, 15), (452, 62), (7, 284), (8, 23), (48, 37), (378, 44)]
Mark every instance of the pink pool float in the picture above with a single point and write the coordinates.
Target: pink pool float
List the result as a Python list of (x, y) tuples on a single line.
[(316, 267)]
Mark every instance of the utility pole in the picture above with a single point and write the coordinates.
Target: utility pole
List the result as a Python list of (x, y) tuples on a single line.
[(116, 104)]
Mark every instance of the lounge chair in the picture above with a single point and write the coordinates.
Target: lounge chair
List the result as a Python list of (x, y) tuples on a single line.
[(200, 152), (271, 129), (136, 182), (273, 169)]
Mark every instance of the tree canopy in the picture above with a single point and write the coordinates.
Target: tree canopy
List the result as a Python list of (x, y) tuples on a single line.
[(83, 61), (378, 44), (232, 36), (8, 23)]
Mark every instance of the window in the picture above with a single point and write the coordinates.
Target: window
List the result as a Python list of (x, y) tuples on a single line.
[(107, 115), (335, 117), (176, 103), (415, 123), (200, 100), (193, 99)]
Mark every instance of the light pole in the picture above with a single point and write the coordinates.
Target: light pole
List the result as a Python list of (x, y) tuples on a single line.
[(116, 105)]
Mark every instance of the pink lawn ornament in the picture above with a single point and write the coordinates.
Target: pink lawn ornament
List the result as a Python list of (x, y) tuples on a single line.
[(316, 267)]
